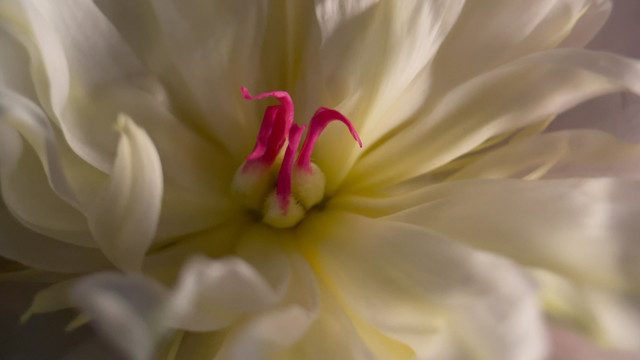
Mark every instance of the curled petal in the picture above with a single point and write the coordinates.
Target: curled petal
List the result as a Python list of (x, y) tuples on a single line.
[(125, 214)]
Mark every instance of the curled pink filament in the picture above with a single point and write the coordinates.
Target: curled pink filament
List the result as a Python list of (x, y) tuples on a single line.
[(283, 189), (275, 126), (318, 123)]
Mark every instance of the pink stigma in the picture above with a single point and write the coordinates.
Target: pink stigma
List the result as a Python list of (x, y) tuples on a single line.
[(275, 126), (318, 123), (283, 190)]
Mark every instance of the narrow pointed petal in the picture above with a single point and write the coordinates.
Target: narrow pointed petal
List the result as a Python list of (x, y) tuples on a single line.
[(125, 215), (564, 154), (399, 39), (508, 98)]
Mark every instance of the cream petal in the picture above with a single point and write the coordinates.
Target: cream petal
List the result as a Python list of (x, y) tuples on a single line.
[(125, 215), (127, 311), (29, 248), (609, 319), (517, 28), (399, 39), (164, 262), (196, 173), (594, 15), (214, 293), (268, 333), (619, 318), (335, 334), (410, 284), (564, 154), (76, 51), (92, 47), (515, 95), (14, 61), (584, 229), (200, 37), (331, 14)]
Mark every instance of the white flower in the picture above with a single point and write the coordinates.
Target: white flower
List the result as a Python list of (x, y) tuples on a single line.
[(458, 231)]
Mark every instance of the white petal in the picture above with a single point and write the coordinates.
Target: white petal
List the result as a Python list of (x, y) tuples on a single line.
[(513, 96), (584, 229), (608, 318), (127, 311), (14, 63), (264, 334), (334, 13), (272, 331), (592, 19), (580, 153), (336, 335), (213, 294), (76, 50), (199, 38), (125, 214), (399, 39), (410, 284), (27, 247), (35, 184), (495, 32), (196, 174)]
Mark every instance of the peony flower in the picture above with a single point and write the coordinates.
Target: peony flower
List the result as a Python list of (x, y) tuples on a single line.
[(460, 229)]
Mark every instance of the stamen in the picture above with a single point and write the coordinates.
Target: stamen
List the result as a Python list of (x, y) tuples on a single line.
[(318, 123), (283, 191), (275, 126)]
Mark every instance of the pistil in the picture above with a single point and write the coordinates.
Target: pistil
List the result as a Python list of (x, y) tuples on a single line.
[(299, 183)]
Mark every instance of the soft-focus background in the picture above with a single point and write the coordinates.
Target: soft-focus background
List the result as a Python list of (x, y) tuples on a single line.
[(43, 337)]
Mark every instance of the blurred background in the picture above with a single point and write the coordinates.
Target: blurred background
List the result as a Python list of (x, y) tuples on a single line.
[(43, 337)]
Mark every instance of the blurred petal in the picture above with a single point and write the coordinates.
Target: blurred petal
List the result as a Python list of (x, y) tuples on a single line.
[(272, 331), (14, 61), (336, 335), (517, 28), (213, 294), (592, 18), (27, 247), (579, 153), (127, 311), (568, 346), (515, 95), (52, 298), (125, 214), (412, 284), (584, 229), (608, 318)]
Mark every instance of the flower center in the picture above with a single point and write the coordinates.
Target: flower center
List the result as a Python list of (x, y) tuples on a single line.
[(283, 189)]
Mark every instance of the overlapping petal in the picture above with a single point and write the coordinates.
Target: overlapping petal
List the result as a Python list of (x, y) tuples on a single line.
[(399, 37), (125, 214), (510, 97), (413, 284), (127, 311)]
